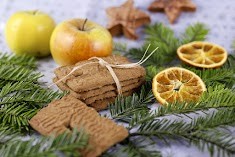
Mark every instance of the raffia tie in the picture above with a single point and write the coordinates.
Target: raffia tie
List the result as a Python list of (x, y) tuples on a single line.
[(110, 68)]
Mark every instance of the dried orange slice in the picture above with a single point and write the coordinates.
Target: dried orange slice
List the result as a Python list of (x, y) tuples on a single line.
[(202, 54), (177, 84)]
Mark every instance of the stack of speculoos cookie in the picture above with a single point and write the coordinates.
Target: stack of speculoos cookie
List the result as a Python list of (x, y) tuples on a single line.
[(69, 113), (94, 85)]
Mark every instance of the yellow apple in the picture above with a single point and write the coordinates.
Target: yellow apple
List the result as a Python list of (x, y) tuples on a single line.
[(29, 32), (79, 39)]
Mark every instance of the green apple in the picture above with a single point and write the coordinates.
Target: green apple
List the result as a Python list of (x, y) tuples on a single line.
[(29, 32)]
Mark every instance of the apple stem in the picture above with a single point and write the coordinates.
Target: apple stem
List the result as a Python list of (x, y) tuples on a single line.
[(83, 26)]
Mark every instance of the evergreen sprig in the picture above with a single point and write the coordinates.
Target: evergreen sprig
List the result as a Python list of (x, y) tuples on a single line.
[(17, 60), (196, 32), (12, 87), (222, 76), (123, 107), (161, 36), (7, 134), (230, 63), (21, 94), (68, 143), (17, 115), (133, 147), (211, 77), (11, 73), (218, 97), (199, 131), (38, 96), (20, 101), (138, 147)]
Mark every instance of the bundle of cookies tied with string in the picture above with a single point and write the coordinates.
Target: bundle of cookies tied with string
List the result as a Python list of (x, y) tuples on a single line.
[(98, 81)]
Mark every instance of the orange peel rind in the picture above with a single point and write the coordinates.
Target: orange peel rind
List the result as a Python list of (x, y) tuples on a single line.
[(202, 54), (177, 85)]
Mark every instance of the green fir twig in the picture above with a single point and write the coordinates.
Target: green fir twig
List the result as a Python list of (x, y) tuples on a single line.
[(196, 32), (68, 143), (17, 60), (161, 36)]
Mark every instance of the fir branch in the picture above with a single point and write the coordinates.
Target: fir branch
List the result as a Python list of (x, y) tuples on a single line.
[(17, 60), (131, 112), (224, 116), (12, 87), (199, 130), (126, 106), (20, 101), (160, 36), (196, 32), (163, 37), (17, 115), (218, 96), (215, 97), (133, 147), (230, 63), (20, 93), (15, 74), (216, 142), (213, 77), (38, 96), (151, 71), (138, 147), (140, 117), (68, 143), (7, 134)]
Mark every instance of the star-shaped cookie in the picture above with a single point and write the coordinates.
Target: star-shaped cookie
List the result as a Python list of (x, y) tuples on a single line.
[(172, 8), (125, 19)]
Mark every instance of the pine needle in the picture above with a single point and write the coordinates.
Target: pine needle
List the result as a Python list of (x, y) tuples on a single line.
[(12, 73), (217, 77), (6, 135), (215, 97), (68, 143), (147, 125), (230, 63), (211, 77), (133, 147), (199, 131), (21, 96), (38, 96), (16, 116), (12, 87), (17, 60), (159, 35), (19, 107), (138, 148), (123, 107), (196, 32)]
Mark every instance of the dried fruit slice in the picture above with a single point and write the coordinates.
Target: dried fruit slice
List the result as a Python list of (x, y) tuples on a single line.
[(202, 54), (177, 84)]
